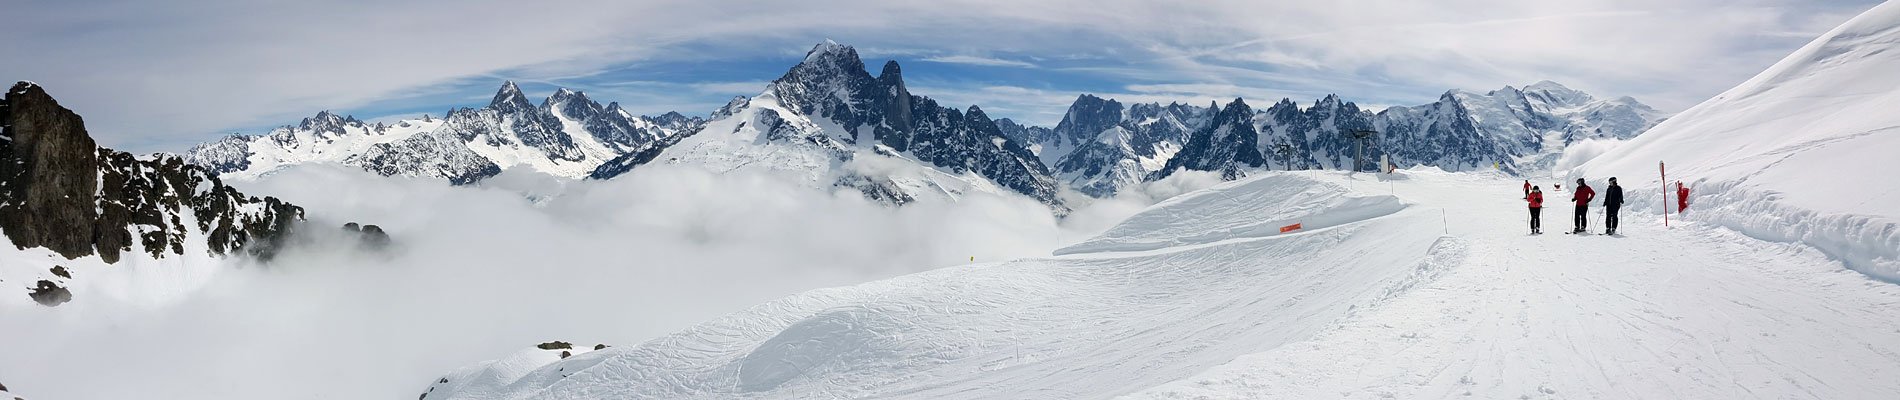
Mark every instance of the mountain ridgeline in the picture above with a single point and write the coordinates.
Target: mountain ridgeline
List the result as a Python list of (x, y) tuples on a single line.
[(60, 191), (829, 119)]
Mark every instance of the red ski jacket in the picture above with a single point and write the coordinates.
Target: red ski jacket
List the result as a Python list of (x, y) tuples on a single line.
[(1682, 198), (1584, 195), (1537, 199)]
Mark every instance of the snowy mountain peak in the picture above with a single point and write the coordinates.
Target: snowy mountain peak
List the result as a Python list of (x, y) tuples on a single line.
[(1559, 95), (571, 104), (1330, 101), (891, 72), (509, 99), (1238, 104), (833, 56), (977, 112), (328, 122), (565, 95)]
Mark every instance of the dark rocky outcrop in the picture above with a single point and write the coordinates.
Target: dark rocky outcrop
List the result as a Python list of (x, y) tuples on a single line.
[(50, 294), (369, 236), (60, 191), (1229, 144), (555, 345), (47, 168)]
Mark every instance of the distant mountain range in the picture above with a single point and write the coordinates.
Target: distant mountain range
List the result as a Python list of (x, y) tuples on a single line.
[(831, 122)]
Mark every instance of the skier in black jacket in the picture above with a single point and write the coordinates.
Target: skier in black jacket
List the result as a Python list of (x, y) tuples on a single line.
[(1612, 200)]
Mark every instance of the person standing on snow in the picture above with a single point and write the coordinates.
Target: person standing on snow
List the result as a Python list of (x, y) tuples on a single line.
[(1527, 189), (1682, 198), (1536, 198), (1582, 195), (1612, 200)]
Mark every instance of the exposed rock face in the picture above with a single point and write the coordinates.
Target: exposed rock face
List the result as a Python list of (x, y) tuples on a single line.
[(1101, 146), (47, 174), (1024, 133), (370, 236), (1228, 144), (50, 294), (60, 191)]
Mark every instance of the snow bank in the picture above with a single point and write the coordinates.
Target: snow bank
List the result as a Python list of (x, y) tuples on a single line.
[(1866, 243), (1793, 154), (1248, 208)]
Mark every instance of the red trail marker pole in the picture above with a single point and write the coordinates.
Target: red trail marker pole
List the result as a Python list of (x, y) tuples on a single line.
[(1664, 172)]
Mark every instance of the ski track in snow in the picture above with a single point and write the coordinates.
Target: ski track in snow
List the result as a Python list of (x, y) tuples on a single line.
[(1384, 307)]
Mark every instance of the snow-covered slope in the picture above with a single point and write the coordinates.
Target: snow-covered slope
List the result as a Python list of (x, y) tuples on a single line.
[(567, 135), (1795, 154), (1425, 287)]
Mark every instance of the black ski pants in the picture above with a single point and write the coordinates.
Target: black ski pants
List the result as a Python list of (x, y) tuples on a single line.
[(1609, 216), (1537, 214), (1583, 218)]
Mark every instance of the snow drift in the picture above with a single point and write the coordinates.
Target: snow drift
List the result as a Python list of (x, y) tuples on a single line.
[(1794, 154)]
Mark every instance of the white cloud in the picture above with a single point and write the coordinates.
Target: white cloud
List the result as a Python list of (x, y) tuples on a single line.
[(977, 60)]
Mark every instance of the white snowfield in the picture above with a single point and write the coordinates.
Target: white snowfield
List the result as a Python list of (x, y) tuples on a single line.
[(1801, 153), (1372, 305), (1239, 210)]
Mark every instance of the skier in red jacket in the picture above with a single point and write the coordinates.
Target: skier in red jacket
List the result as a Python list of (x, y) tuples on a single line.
[(1582, 196), (1527, 189), (1536, 198), (1682, 198)]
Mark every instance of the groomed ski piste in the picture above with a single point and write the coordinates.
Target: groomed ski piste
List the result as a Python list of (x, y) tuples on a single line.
[(1423, 284)]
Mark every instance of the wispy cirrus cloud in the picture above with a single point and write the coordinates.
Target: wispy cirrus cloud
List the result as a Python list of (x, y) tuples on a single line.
[(978, 60)]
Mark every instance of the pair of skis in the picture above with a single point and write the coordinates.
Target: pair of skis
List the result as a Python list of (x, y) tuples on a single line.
[(1585, 231)]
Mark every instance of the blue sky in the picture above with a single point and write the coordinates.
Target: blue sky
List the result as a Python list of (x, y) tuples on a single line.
[(152, 76)]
